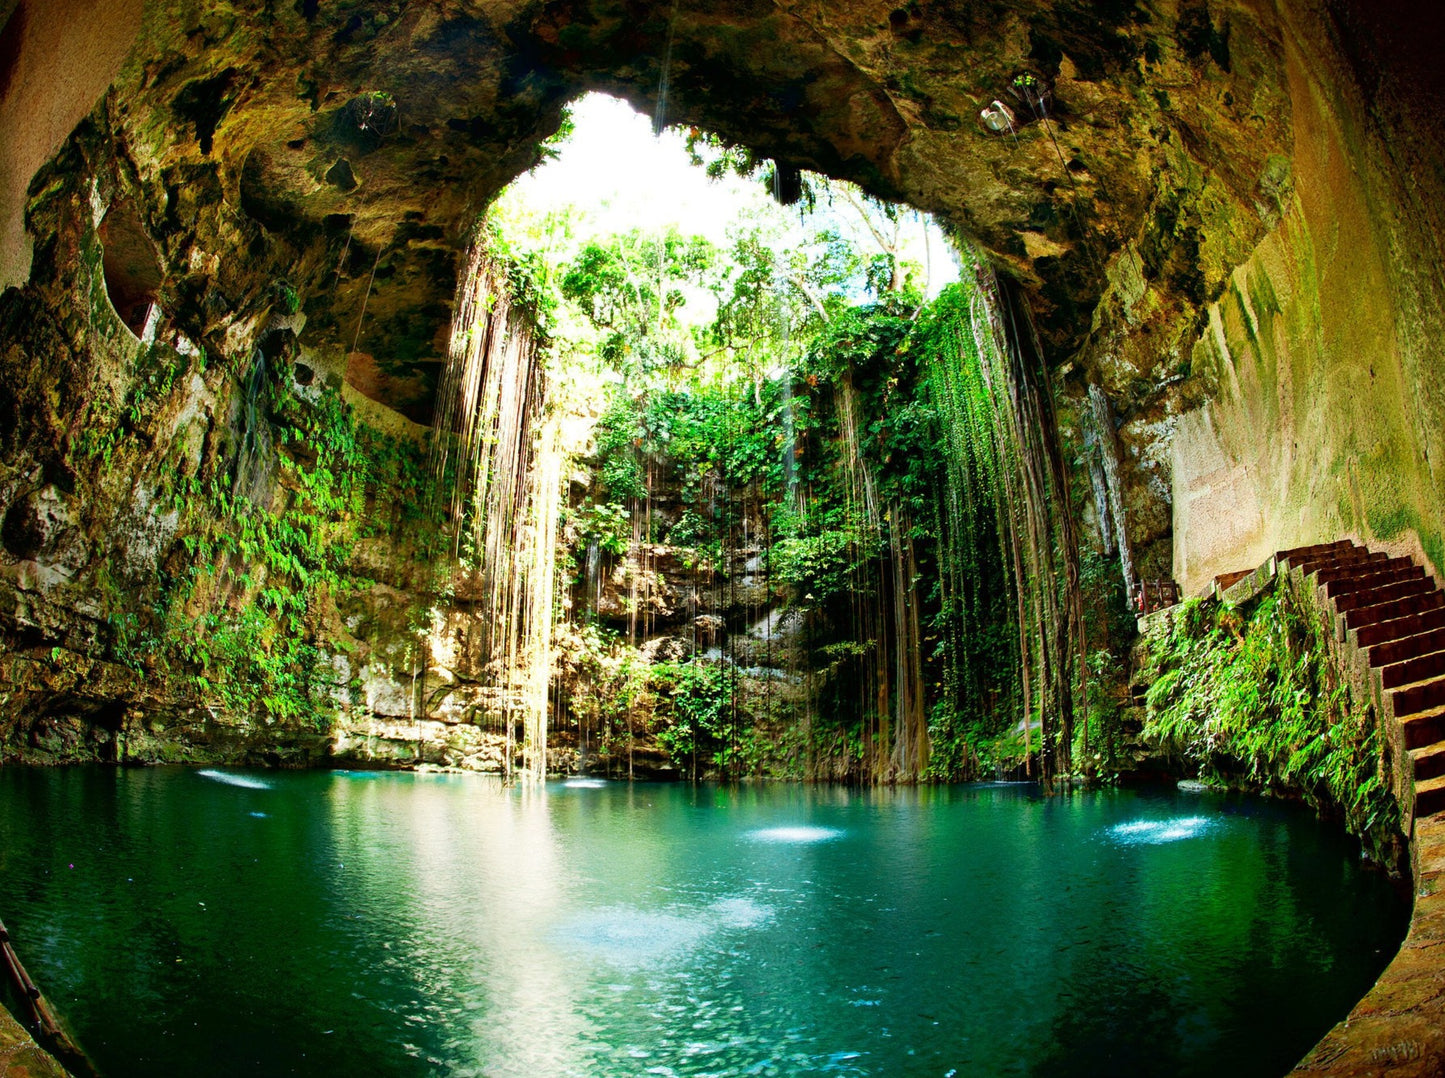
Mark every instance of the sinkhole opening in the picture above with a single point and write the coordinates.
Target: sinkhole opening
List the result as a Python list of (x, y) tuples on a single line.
[(733, 459), (132, 270)]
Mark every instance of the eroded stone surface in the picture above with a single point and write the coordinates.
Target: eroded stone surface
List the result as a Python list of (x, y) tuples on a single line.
[(1399, 1028), (347, 148), (1230, 222), (20, 1056)]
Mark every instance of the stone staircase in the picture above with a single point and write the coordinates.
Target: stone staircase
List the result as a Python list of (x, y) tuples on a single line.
[(1390, 617), (1389, 638)]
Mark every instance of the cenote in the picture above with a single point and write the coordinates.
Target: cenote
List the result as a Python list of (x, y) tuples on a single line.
[(526, 525), (256, 923)]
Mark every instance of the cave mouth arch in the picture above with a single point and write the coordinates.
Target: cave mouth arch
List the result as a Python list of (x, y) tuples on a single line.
[(815, 93), (404, 374)]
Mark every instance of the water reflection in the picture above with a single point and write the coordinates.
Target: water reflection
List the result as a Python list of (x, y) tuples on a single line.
[(231, 778), (410, 925), (473, 872), (795, 834), (1157, 831)]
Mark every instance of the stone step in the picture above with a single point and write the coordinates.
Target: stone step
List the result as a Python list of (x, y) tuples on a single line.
[(1424, 729), (1418, 698), (1354, 561), (1429, 796), (1224, 581), (1408, 647), (1338, 582), (1421, 668), (1317, 548), (1395, 608), (1383, 593), (1398, 628), (1429, 761), (1332, 557), (1247, 586)]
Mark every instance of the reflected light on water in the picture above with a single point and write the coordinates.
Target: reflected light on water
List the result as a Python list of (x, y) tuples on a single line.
[(472, 884), (795, 834), (632, 936), (231, 779), (1153, 832), (419, 924)]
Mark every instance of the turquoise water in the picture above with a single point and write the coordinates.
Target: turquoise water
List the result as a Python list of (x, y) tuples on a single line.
[(227, 923)]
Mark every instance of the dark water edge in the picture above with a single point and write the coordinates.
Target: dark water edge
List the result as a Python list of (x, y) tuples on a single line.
[(393, 923)]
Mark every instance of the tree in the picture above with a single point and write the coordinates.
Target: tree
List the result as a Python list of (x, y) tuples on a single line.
[(631, 287)]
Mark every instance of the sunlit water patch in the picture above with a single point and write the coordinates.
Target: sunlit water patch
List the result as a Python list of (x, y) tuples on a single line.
[(626, 935), (232, 779), (630, 936), (740, 912), (585, 784), (1153, 832), (411, 926), (799, 834)]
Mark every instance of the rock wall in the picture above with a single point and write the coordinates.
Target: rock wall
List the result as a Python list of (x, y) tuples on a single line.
[(1226, 214), (56, 59), (1320, 360), (658, 603)]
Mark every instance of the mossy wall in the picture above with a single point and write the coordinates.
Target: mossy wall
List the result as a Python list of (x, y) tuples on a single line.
[(1262, 697), (1320, 359)]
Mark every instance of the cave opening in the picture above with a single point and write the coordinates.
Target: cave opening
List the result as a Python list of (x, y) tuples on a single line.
[(807, 488), (132, 272)]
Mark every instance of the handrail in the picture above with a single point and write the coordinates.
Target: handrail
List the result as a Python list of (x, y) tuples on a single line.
[(57, 1041)]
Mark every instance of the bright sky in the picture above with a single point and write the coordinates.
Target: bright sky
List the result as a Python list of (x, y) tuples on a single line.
[(622, 177)]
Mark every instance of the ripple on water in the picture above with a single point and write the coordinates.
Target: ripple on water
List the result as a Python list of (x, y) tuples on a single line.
[(627, 936), (585, 784), (1153, 832), (795, 834), (740, 912), (234, 780)]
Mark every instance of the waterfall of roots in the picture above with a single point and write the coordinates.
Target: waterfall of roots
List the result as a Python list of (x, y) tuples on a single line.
[(1008, 557), (946, 644), (886, 612), (496, 453)]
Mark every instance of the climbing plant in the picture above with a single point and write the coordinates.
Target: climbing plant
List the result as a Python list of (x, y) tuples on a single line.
[(1251, 698)]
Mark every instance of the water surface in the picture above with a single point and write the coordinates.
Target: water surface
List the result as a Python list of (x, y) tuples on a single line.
[(246, 923)]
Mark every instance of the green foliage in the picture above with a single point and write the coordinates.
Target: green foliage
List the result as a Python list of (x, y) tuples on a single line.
[(630, 287), (719, 157), (237, 618), (721, 431), (608, 524), (619, 434), (156, 369), (1255, 699), (824, 566), (550, 148), (289, 560), (864, 445), (288, 302), (700, 709), (528, 280)]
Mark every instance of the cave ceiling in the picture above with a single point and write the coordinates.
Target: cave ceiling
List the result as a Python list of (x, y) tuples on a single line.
[(346, 148)]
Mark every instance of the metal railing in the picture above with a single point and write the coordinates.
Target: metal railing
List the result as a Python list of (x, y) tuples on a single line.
[(1156, 595)]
